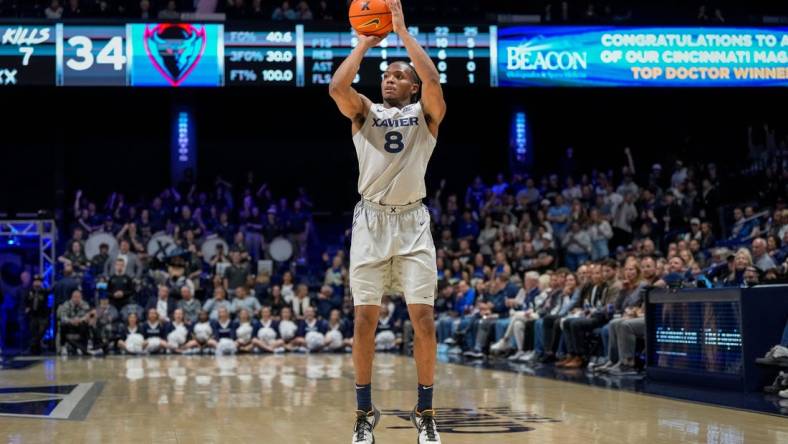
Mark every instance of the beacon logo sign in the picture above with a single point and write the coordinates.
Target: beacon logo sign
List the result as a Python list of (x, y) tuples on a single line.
[(535, 58), (174, 49)]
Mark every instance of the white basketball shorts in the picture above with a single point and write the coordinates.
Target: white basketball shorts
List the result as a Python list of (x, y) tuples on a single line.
[(392, 252)]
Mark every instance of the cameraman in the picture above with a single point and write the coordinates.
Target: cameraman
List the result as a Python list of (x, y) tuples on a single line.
[(37, 308)]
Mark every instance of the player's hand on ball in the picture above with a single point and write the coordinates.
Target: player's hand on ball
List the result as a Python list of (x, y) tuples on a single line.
[(397, 17), (369, 41)]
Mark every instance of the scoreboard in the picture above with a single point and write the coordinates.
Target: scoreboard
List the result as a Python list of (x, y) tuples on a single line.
[(461, 54), (468, 55), (28, 55), (214, 55)]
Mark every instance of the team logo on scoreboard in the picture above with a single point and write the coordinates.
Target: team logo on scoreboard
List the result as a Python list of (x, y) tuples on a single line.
[(174, 49)]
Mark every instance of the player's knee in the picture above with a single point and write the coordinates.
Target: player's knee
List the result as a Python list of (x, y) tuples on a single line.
[(364, 324), (424, 324)]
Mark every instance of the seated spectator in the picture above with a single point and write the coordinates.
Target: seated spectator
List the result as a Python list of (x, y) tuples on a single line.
[(743, 229), (577, 243), (275, 301), (76, 257), (219, 260), (106, 320), (340, 332), (54, 11), (337, 277), (246, 329), (600, 232), (523, 312), (463, 304), (218, 302), (288, 287), (760, 257), (99, 261), (268, 338), (327, 301), (741, 261), (491, 309), (170, 12), (132, 307), (301, 301), (632, 307), (190, 306), (752, 277), (131, 339), (597, 310), (155, 333), (163, 303), (288, 328), (284, 12), (201, 339), (311, 333), (775, 249), (223, 333), (243, 301), (388, 335), (262, 287), (133, 266), (178, 332), (73, 316), (558, 301), (235, 275)]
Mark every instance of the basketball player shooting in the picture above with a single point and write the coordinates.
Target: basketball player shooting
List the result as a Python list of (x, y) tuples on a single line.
[(392, 250)]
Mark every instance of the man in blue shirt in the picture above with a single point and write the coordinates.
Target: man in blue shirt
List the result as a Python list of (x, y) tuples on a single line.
[(467, 228), (491, 309), (558, 215)]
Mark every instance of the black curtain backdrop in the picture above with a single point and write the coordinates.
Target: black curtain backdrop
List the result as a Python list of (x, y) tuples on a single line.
[(54, 141)]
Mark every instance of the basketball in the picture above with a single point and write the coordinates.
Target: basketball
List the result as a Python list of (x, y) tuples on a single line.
[(370, 17)]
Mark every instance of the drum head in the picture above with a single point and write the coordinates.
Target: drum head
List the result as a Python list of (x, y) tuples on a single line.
[(209, 248), (94, 242), (161, 245), (281, 249)]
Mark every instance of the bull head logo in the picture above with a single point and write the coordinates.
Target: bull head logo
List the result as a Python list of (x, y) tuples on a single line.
[(174, 49)]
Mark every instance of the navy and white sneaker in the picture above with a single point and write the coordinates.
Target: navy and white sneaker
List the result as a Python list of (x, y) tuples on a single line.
[(426, 426), (365, 423)]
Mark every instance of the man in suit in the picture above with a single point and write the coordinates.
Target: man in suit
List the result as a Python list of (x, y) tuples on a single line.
[(163, 304)]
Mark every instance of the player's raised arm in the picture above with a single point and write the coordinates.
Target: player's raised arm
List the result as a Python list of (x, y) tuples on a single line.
[(431, 93), (351, 104)]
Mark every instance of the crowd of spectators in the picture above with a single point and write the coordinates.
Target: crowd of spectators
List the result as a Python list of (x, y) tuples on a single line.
[(549, 11), (540, 267)]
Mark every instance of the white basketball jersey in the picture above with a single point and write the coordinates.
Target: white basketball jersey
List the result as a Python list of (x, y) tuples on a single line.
[(393, 147)]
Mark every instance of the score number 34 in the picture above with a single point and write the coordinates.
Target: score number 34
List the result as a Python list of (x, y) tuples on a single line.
[(110, 54)]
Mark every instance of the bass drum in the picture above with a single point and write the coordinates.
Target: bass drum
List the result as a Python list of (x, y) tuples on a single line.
[(94, 242), (211, 246), (161, 245), (281, 249)]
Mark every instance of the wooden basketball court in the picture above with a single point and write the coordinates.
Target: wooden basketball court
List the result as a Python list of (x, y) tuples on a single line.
[(310, 399)]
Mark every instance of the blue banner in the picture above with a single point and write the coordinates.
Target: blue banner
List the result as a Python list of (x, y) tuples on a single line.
[(643, 57)]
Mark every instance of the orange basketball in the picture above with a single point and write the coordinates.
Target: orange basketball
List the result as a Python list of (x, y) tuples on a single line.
[(370, 17)]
